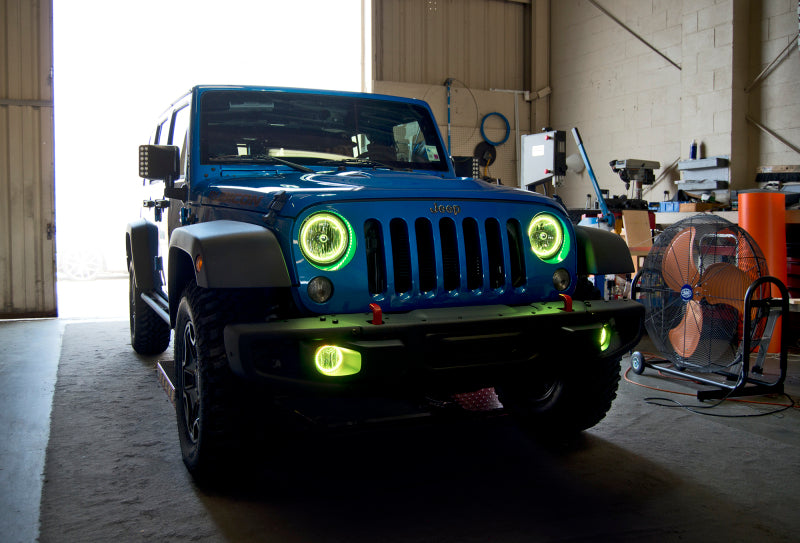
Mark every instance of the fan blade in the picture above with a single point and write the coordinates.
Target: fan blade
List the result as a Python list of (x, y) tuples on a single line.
[(677, 267), (724, 283), (686, 336)]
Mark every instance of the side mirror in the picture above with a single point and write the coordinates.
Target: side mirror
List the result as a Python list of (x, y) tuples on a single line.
[(162, 162), (159, 162)]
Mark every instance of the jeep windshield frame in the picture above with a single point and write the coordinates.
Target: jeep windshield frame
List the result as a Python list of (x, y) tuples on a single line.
[(245, 127)]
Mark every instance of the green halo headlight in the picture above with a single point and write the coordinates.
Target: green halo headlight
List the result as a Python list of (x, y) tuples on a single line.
[(327, 240), (546, 235)]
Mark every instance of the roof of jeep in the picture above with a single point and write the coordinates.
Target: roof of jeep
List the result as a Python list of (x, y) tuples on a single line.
[(298, 90), (199, 89)]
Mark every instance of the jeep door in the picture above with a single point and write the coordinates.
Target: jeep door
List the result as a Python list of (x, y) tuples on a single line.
[(165, 213)]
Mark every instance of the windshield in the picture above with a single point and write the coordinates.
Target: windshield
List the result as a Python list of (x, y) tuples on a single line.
[(311, 129)]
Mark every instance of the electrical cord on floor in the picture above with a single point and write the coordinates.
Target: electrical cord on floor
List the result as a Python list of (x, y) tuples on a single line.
[(696, 409)]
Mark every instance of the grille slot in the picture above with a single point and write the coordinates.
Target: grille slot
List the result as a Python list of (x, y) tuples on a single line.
[(376, 258), (450, 266), (427, 256), (472, 250), (516, 256), (494, 246), (401, 255)]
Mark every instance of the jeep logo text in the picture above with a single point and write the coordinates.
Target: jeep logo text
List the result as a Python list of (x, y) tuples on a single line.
[(441, 208)]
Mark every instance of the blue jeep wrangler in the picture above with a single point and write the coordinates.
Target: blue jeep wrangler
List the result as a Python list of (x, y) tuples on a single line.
[(316, 254)]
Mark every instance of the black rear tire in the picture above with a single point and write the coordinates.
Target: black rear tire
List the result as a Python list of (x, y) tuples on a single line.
[(149, 332), (563, 402)]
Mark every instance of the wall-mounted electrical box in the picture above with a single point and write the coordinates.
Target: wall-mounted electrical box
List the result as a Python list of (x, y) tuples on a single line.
[(544, 158)]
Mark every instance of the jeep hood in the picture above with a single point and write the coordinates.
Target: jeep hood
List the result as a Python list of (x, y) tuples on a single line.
[(255, 191)]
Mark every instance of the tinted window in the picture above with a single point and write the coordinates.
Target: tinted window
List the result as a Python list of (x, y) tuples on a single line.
[(311, 129)]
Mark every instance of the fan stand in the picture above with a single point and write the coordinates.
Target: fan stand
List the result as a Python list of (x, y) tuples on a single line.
[(747, 384)]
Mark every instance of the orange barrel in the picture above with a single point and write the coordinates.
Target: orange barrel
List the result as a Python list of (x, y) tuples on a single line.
[(763, 215)]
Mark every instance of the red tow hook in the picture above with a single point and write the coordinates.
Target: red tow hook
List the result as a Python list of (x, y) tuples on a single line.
[(567, 303), (377, 314)]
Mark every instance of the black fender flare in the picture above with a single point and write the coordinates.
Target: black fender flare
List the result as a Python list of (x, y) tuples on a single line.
[(224, 254), (142, 248), (601, 252)]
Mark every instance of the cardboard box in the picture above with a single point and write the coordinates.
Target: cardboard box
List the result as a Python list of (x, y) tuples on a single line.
[(700, 206)]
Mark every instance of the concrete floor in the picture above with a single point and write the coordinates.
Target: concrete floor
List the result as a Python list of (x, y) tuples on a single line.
[(28, 365), (29, 362), (29, 353)]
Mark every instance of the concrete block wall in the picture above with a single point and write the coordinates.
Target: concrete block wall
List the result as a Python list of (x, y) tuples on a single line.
[(629, 102), (775, 102), (624, 98), (707, 76)]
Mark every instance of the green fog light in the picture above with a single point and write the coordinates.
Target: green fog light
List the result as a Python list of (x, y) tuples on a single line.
[(605, 337), (337, 361)]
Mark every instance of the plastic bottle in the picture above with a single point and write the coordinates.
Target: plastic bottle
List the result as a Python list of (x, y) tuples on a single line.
[(693, 150)]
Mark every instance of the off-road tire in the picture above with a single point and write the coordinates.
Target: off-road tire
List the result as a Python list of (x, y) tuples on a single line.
[(149, 332), (213, 407), (566, 401)]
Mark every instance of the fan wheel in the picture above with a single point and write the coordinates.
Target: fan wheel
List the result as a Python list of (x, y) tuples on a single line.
[(693, 284)]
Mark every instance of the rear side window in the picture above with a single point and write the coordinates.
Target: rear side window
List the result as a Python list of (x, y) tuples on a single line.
[(162, 131), (180, 126)]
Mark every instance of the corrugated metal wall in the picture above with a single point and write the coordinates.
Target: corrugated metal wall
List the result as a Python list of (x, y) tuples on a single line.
[(480, 42), (27, 215)]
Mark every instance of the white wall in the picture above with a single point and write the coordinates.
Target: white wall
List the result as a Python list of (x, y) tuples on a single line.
[(629, 102)]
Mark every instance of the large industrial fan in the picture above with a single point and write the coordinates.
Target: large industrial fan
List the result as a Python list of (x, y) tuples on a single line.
[(709, 306)]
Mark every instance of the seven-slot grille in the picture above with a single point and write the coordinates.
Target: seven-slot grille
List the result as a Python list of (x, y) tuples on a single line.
[(441, 255)]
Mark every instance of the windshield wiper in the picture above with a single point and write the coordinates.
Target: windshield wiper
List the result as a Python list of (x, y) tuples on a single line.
[(366, 162), (260, 158)]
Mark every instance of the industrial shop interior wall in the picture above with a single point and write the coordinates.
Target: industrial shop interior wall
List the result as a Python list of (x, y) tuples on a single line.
[(468, 111), (487, 53), (632, 102)]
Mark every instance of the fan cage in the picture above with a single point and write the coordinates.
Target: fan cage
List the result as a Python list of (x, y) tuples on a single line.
[(694, 295)]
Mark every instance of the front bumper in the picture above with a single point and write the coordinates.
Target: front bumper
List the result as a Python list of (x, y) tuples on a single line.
[(449, 348)]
